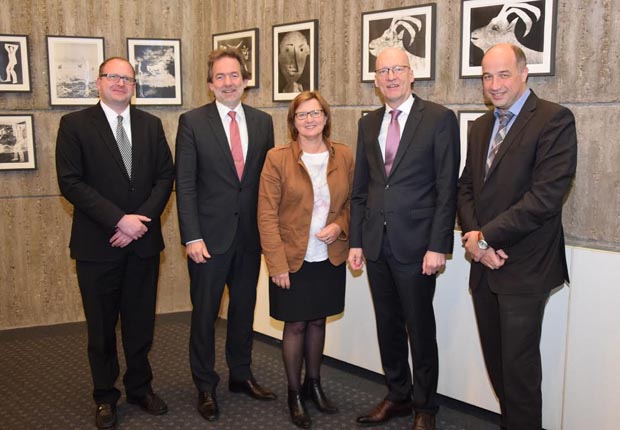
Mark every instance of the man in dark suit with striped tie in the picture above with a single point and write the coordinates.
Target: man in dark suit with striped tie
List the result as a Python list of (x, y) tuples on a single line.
[(114, 165), (521, 160)]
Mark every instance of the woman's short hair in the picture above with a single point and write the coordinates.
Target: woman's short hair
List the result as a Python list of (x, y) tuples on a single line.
[(304, 97)]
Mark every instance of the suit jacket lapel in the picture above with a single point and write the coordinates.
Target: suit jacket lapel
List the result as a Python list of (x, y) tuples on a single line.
[(527, 111), (374, 132), (252, 125), (107, 136), (221, 141)]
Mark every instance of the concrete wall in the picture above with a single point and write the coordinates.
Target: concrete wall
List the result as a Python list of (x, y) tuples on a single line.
[(37, 278)]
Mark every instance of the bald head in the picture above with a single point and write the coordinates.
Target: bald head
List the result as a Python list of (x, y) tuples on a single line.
[(504, 75), (393, 76)]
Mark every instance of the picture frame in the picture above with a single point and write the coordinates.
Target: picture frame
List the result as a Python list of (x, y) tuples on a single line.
[(530, 24), (466, 119), (247, 42), (157, 64), (73, 65), (14, 63), (289, 77), (411, 28), (17, 142)]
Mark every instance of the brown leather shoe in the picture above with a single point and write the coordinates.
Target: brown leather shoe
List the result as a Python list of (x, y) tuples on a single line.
[(150, 403), (252, 389), (424, 421), (385, 411), (105, 417), (207, 405)]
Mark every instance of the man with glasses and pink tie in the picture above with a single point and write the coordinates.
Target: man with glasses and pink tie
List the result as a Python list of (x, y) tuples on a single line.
[(403, 208), (114, 165)]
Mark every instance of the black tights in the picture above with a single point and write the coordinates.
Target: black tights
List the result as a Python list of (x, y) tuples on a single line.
[(303, 340)]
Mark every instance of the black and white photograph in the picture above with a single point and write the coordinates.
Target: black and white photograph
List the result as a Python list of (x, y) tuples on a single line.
[(411, 28), (528, 24), (14, 70), (295, 54), (157, 63), (16, 143), (246, 42), (73, 69), (466, 119)]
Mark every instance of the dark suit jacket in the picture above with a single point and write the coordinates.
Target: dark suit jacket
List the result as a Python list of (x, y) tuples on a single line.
[(417, 202), (92, 176), (519, 207), (212, 202)]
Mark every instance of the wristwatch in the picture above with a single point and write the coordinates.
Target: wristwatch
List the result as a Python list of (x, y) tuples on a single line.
[(482, 244)]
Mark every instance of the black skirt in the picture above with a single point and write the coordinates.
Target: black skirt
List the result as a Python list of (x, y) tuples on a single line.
[(317, 291)]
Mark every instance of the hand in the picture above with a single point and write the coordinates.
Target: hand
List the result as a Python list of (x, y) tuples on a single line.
[(470, 242), (282, 280), (493, 259), (356, 258), (197, 251), (329, 233), (433, 262), (120, 240), (132, 225)]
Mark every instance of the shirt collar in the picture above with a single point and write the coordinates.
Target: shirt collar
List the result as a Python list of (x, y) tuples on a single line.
[(516, 107), (111, 115), (223, 110), (404, 108)]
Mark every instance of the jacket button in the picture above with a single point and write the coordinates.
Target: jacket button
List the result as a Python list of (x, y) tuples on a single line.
[(387, 187)]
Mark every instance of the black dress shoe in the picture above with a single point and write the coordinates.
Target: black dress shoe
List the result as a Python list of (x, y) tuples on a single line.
[(105, 417), (207, 405), (312, 390), (150, 403), (252, 389), (297, 409), (424, 421), (385, 411)]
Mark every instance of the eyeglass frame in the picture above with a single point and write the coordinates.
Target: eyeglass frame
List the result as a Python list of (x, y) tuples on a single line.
[(396, 70), (314, 113), (116, 78)]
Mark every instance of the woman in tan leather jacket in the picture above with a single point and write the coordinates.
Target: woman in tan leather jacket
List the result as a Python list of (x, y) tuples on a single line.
[(303, 219)]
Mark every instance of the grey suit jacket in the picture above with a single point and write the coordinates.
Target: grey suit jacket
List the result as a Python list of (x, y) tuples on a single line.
[(211, 200), (416, 203)]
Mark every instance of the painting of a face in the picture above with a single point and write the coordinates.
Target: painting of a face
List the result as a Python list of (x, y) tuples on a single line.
[(294, 51)]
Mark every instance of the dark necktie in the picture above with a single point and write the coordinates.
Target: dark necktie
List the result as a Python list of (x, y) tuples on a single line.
[(235, 144), (123, 144), (392, 140), (504, 118)]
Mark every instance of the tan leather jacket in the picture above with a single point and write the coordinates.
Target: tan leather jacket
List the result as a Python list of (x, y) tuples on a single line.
[(285, 202)]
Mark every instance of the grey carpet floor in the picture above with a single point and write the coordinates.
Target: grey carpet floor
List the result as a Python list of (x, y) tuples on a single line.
[(45, 384)]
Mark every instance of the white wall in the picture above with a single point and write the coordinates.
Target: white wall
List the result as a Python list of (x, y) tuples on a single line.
[(580, 347)]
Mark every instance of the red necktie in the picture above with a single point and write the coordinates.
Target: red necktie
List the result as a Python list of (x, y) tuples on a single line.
[(235, 144), (392, 141)]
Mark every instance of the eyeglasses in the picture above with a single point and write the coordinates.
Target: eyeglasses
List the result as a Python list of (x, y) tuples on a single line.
[(113, 77), (385, 71), (312, 113)]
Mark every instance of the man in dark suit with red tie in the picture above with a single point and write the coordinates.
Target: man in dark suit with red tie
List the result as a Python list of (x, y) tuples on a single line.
[(114, 165), (403, 207), (521, 161), (220, 151)]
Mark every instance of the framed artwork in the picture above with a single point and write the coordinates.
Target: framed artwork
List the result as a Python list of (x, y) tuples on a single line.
[(17, 143), (410, 28), (466, 119), (73, 64), (295, 59), (14, 70), (529, 24), (246, 41), (157, 63)]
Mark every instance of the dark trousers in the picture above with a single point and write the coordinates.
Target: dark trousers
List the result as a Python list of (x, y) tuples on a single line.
[(238, 268), (127, 288), (403, 302), (510, 327)]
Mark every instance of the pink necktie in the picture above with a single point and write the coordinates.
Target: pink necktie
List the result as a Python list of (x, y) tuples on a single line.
[(392, 140), (235, 144)]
